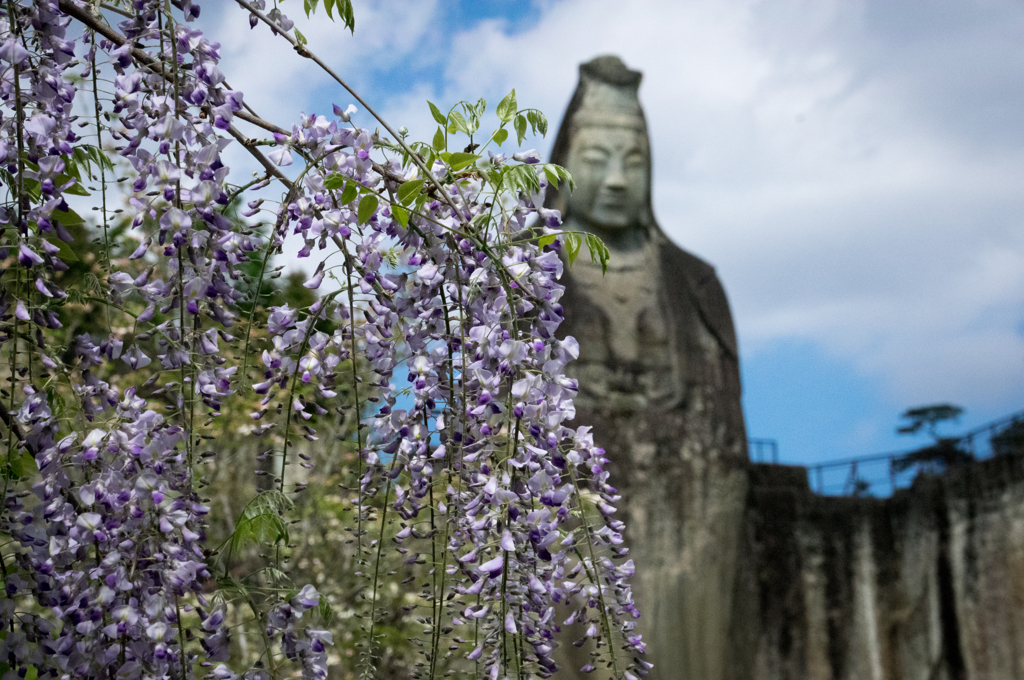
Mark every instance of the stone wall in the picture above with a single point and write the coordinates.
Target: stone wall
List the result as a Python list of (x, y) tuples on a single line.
[(926, 585)]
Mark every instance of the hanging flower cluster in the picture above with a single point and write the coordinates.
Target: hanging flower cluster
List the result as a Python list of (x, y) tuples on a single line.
[(439, 304)]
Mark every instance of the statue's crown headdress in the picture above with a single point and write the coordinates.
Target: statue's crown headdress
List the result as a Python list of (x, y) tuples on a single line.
[(606, 96), (609, 90)]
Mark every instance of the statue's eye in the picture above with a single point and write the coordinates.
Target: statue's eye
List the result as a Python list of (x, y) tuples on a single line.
[(595, 157), (636, 161)]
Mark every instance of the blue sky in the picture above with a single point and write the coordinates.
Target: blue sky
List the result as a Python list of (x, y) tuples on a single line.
[(853, 169)]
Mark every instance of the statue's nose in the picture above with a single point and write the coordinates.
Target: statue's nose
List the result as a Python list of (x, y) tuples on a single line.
[(616, 177)]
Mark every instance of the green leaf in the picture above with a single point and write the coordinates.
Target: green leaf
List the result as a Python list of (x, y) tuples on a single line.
[(233, 585), (367, 207), (520, 126), (73, 164), (269, 500), (439, 142), (598, 251), (84, 157), (521, 178), (459, 123), (572, 246), (99, 158), (299, 38), (460, 160), (66, 253), (507, 108), (500, 136), (22, 464), (57, 403), (261, 520), (324, 610), (69, 218), (408, 190), (552, 176), (310, 6), (328, 6), (75, 189), (350, 193), (564, 175), (32, 188), (400, 214), (334, 181), (266, 527), (479, 220), (344, 8), (438, 116), (538, 121), (546, 240)]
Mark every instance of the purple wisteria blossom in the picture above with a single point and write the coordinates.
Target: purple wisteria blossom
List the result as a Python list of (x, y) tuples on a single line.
[(435, 325)]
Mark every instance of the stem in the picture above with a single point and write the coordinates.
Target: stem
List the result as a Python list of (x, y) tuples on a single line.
[(438, 591), (103, 172), (305, 52), (256, 298), (181, 638), (293, 189), (595, 577), (186, 398), (448, 469), (355, 391), (252, 311), (19, 197), (155, 66), (376, 566), (261, 622), (501, 622), (435, 603), (291, 394), (513, 447), (68, 7), (237, 192)]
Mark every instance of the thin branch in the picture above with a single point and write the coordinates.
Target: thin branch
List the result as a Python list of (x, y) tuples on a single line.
[(93, 22), (116, 10), (304, 51), (428, 176)]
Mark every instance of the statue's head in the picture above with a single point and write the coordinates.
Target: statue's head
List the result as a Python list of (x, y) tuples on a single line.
[(603, 142)]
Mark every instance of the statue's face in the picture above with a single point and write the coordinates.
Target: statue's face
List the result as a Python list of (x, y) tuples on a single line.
[(609, 165)]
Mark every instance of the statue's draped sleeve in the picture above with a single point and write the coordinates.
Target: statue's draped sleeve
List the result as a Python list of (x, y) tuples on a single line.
[(688, 275)]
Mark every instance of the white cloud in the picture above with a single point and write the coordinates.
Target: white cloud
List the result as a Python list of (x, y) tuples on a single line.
[(852, 168), (823, 156), (278, 83)]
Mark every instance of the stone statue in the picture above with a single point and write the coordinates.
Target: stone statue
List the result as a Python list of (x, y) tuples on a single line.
[(659, 380)]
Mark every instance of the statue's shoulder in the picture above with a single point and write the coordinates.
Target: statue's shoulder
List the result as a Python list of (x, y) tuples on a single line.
[(687, 271)]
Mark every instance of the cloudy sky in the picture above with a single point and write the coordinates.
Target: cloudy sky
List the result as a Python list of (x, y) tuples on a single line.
[(852, 168)]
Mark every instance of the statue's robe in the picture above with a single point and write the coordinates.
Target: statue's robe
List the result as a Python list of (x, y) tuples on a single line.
[(659, 383)]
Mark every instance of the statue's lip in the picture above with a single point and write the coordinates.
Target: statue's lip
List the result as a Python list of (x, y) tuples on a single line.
[(611, 199)]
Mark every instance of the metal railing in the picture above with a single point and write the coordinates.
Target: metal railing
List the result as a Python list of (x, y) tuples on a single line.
[(763, 450), (884, 473)]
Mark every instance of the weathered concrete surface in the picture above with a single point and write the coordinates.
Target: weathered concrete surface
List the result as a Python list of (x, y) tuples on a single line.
[(659, 382), (926, 585), (761, 580)]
